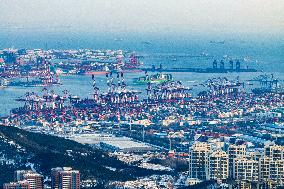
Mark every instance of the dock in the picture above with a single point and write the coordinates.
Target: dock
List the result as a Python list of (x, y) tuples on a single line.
[(214, 69), (198, 70)]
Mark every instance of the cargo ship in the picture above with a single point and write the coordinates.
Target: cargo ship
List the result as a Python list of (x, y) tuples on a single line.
[(94, 72), (217, 68), (157, 78), (40, 82)]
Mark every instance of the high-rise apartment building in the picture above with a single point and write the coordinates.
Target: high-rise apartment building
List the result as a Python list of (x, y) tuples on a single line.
[(242, 185), (217, 166), (235, 151), (271, 170), (19, 174), (55, 177), (65, 178), (261, 168), (198, 154), (245, 169), (35, 180), (275, 152)]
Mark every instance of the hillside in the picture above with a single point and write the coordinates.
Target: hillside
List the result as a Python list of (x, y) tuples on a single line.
[(22, 149)]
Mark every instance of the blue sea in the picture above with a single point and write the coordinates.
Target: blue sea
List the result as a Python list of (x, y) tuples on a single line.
[(263, 53)]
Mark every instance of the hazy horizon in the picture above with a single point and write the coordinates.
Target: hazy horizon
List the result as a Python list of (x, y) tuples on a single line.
[(165, 17)]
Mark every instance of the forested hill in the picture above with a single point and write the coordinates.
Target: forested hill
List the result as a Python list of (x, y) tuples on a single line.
[(21, 150)]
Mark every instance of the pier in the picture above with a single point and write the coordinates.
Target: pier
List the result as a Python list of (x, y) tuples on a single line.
[(214, 69)]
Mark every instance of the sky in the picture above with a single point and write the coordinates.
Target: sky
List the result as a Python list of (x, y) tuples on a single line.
[(152, 16)]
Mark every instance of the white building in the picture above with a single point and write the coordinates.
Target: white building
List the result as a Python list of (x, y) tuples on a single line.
[(198, 154), (217, 166)]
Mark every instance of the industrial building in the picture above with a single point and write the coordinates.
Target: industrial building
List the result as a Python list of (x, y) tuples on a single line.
[(126, 145)]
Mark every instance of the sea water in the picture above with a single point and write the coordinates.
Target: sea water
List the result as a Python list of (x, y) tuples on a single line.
[(264, 54)]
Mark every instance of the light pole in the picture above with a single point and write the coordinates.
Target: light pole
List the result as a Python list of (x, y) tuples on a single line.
[(143, 133)]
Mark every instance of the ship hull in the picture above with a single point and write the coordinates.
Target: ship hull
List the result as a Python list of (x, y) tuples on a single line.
[(95, 73)]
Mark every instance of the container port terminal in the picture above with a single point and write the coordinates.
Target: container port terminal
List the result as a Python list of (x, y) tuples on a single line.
[(37, 67), (154, 119), (123, 94), (222, 102)]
